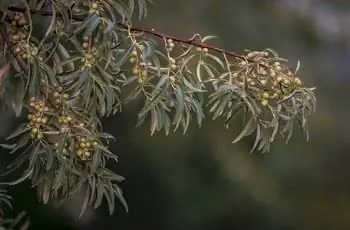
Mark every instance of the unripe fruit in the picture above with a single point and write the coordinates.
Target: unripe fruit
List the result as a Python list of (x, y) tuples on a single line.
[(39, 136), (297, 81), (94, 6), (266, 95), (264, 102), (79, 152), (44, 120), (286, 81), (15, 37), (135, 70), (85, 45)]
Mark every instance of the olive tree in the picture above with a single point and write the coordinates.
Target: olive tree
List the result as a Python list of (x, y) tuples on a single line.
[(67, 64)]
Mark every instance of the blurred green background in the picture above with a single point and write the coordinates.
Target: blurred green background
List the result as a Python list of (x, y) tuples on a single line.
[(200, 181)]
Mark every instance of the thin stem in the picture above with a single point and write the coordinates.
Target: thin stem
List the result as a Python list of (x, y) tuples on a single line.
[(190, 41), (187, 41)]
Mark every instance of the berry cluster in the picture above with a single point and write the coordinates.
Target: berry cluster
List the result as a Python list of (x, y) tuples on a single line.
[(19, 37), (65, 122), (169, 45), (51, 127), (84, 147), (172, 63), (95, 7), (269, 78), (139, 68), (65, 150), (57, 95), (37, 117), (202, 50), (90, 53)]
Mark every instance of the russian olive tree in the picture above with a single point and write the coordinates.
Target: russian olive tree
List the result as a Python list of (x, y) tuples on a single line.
[(67, 64)]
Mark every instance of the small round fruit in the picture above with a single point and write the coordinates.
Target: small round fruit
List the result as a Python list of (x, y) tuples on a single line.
[(264, 102), (79, 152), (297, 81), (135, 70), (94, 6), (39, 135), (286, 81), (266, 95), (87, 154)]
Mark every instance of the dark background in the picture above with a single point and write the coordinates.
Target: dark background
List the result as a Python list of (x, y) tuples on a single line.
[(201, 181)]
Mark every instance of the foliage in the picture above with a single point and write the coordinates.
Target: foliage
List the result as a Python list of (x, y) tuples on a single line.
[(68, 64), (6, 223)]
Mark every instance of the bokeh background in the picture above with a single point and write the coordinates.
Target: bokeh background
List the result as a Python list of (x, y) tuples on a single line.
[(200, 181)]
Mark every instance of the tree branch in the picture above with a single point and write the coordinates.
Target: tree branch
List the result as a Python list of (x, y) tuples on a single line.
[(190, 41)]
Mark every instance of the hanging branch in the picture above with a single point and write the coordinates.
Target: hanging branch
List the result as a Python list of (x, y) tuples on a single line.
[(190, 41)]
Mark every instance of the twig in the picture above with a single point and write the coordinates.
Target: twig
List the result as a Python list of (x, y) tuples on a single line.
[(190, 41)]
